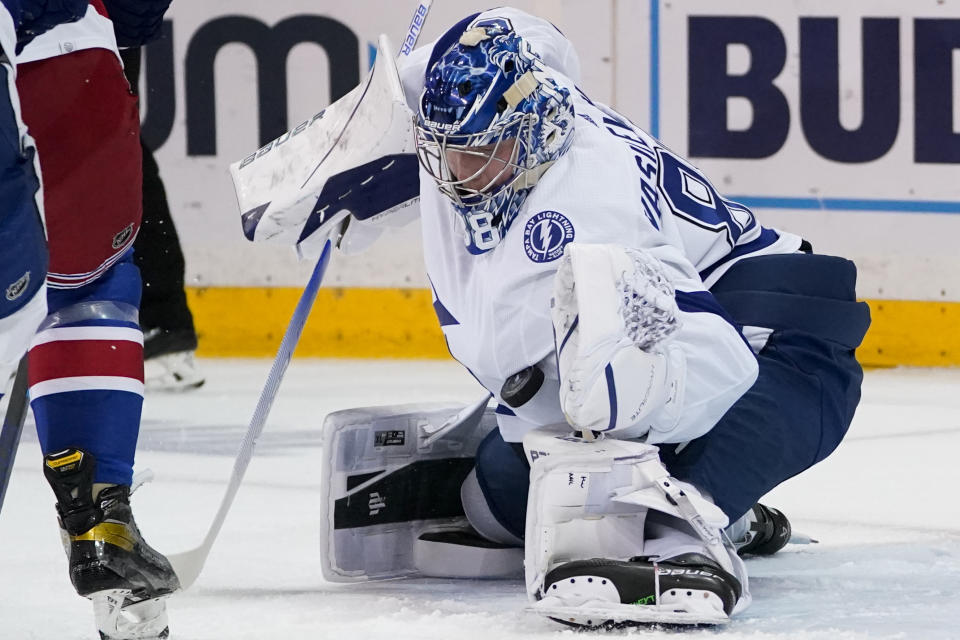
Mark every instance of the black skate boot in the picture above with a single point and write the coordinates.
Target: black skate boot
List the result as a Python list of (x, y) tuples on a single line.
[(110, 563), (688, 589), (768, 532)]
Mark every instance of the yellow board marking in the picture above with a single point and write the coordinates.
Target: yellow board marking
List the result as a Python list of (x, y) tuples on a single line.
[(400, 323), (912, 332)]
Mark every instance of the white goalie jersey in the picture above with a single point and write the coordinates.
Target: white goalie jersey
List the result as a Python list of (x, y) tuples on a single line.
[(615, 185)]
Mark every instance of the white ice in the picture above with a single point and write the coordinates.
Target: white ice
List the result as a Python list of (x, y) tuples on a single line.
[(884, 508)]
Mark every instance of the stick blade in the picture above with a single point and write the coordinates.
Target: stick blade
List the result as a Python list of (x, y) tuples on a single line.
[(188, 564)]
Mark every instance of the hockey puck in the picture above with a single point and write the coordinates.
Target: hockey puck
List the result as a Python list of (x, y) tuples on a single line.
[(521, 386)]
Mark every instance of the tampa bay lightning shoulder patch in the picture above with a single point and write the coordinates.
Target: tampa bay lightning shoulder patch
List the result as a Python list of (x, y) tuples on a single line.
[(546, 234)]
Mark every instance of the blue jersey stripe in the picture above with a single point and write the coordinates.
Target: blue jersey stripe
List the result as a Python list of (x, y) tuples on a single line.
[(705, 302), (767, 237)]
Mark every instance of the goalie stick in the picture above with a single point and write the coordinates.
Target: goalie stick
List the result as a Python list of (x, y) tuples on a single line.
[(188, 564), (13, 426)]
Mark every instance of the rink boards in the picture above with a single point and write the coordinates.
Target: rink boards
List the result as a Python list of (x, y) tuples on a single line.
[(400, 323), (835, 121)]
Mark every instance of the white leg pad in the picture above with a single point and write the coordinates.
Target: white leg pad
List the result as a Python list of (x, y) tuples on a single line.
[(389, 475), (591, 499)]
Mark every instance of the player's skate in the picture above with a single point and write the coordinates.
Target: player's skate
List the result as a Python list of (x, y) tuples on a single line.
[(172, 372), (169, 363), (687, 586), (765, 531), (110, 563)]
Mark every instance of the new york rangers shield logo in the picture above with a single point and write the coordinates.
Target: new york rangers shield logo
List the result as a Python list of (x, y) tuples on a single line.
[(16, 289), (121, 238)]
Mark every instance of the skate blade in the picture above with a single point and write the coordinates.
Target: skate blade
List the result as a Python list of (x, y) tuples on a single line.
[(801, 538), (607, 614), (145, 620)]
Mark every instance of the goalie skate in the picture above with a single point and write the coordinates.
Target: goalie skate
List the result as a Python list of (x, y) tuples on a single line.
[(768, 531), (688, 589)]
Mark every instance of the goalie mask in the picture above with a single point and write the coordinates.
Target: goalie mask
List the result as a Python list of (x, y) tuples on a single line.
[(491, 122)]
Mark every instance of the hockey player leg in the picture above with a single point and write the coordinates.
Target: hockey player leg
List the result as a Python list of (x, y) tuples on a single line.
[(86, 386), (808, 388), (86, 362), (612, 538)]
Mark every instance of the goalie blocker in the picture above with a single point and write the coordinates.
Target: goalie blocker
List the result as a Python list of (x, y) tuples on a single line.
[(301, 188)]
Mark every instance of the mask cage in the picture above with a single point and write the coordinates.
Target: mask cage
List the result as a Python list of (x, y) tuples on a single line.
[(433, 147)]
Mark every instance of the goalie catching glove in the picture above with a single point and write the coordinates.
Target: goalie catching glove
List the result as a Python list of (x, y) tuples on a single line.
[(613, 314)]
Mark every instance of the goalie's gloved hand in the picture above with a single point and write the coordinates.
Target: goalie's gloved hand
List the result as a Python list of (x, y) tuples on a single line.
[(613, 312), (39, 16), (136, 22)]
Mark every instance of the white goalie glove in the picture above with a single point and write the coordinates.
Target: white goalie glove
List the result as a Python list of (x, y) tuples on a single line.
[(613, 314)]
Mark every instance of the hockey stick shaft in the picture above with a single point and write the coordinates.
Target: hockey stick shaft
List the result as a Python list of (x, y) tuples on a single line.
[(415, 28), (12, 427), (188, 564)]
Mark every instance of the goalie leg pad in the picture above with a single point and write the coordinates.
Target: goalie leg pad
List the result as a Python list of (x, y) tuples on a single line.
[(391, 475), (613, 501)]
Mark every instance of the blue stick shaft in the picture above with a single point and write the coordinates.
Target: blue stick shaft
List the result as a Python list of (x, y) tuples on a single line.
[(290, 339)]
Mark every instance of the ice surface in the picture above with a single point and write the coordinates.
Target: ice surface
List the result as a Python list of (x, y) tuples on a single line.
[(884, 507)]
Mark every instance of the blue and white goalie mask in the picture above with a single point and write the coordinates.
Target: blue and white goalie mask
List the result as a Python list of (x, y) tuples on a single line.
[(491, 122)]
